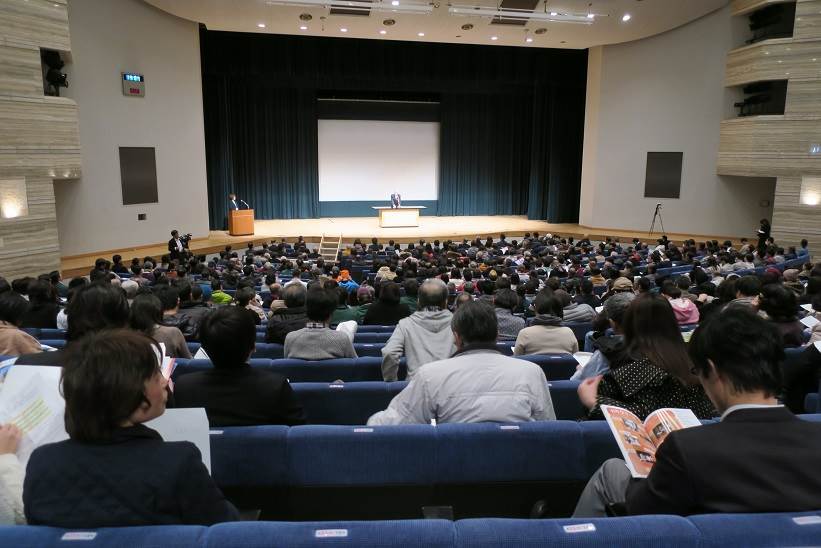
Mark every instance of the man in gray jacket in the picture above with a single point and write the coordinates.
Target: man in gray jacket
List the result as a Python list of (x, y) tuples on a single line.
[(478, 384), (424, 336)]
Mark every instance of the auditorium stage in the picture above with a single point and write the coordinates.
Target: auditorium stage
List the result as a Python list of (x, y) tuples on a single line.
[(365, 228)]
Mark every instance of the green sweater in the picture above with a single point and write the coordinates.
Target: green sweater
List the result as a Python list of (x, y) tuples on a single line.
[(410, 301), (220, 297), (344, 314)]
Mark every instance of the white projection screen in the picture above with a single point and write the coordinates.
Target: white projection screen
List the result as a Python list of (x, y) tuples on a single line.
[(367, 160)]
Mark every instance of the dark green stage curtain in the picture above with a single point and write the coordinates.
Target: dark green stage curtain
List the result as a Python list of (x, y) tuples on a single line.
[(261, 143)]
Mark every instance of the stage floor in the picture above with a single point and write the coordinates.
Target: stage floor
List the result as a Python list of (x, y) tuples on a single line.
[(365, 228)]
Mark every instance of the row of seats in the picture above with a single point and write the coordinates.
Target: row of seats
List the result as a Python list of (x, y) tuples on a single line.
[(555, 367), (353, 403), (391, 472), (705, 531)]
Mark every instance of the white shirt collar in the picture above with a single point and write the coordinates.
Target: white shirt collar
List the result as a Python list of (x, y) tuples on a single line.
[(747, 406)]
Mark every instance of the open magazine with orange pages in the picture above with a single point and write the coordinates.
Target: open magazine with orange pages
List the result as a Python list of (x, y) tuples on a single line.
[(639, 440)]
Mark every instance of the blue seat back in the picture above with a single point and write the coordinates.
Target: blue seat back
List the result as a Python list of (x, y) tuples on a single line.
[(249, 456), (271, 351), (368, 349), (351, 403), (555, 366), (372, 337)]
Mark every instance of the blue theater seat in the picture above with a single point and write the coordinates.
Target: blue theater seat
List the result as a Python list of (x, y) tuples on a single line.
[(565, 398), (271, 351), (248, 456), (351, 403), (375, 329), (580, 329), (760, 530), (368, 349), (46, 333), (555, 366), (378, 337), (21, 536), (54, 343)]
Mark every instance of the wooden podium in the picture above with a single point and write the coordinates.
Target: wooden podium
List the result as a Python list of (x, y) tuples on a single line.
[(241, 222)]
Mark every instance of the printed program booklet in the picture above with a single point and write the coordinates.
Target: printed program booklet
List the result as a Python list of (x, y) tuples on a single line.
[(639, 440)]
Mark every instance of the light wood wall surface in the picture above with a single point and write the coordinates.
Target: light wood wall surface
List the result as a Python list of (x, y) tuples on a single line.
[(39, 135)]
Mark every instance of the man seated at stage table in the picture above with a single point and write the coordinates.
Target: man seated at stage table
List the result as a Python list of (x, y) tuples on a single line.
[(316, 341), (423, 337), (478, 384), (758, 458)]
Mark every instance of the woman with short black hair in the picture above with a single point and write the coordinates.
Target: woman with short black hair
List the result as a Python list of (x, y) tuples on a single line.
[(114, 471), (146, 316)]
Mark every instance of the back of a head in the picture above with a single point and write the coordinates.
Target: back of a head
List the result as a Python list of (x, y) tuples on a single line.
[(145, 313), (547, 303), (12, 307), (475, 322), (506, 299), (750, 364), (433, 293), (95, 307), (411, 286), (41, 292), (586, 287), (564, 297), (461, 299), (748, 286), (169, 297), (779, 302), (617, 305), (228, 336), (320, 303), (103, 381), (244, 295), (294, 295), (651, 331), (683, 283), (389, 293)]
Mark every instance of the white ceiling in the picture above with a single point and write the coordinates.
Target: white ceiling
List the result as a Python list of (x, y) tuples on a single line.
[(648, 17)]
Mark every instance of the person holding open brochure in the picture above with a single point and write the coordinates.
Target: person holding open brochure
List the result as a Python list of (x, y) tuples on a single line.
[(114, 471), (758, 458)]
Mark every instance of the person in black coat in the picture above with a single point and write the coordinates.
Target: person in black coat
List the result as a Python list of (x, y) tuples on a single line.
[(114, 471), (234, 393), (291, 318), (387, 310), (43, 308), (763, 233), (758, 458)]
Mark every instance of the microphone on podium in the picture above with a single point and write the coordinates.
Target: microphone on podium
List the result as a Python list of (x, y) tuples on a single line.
[(246, 204)]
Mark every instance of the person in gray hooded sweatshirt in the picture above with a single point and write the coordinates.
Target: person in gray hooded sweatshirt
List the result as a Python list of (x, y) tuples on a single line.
[(423, 337)]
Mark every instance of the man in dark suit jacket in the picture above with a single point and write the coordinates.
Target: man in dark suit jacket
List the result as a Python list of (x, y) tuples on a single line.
[(396, 200), (234, 393), (176, 246), (233, 202), (758, 458)]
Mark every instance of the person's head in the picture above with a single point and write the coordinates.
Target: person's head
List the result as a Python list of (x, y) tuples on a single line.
[(244, 295), (616, 306), (651, 331), (232, 196), (146, 313), (174, 234), (433, 293), (748, 286), (779, 302), (228, 336), (389, 293), (734, 367), (320, 303), (547, 303), (474, 322), (111, 379), (804, 243), (95, 307), (41, 292), (586, 287), (12, 308), (294, 295), (411, 286), (461, 299), (506, 299), (169, 297)]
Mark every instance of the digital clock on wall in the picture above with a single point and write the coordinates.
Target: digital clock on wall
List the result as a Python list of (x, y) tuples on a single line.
[(133, 84)]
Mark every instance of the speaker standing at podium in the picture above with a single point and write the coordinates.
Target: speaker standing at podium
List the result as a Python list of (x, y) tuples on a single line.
[(396, 200), (235, 203)]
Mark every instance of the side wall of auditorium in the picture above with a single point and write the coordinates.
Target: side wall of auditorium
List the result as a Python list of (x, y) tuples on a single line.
[(666, 93), (111, 37)]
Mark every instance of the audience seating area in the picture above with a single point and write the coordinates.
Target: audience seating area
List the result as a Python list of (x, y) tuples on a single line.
[(706, 531)]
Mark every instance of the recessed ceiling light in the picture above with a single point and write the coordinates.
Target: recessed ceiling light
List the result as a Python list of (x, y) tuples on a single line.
[(626, 17), (528, 39), (420, 34), (553, 14), (303, 27), (494, 38), (261, 25), (591, 15), (395, 3), (343, 29), (383, 31)]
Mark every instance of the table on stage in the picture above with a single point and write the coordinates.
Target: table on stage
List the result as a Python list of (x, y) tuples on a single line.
[(396, 217)]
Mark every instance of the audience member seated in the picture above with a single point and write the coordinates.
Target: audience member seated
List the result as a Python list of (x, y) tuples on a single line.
[(343, 312), (13, 340), (574, 312), (218, 296), (654, 372), (781, 307), (233, 393), (246, 300), (146, 316), (114, 471), (290, 318), (317, 341), (364, 299), (505, 302), (586, 296), (685, 310), (387, 310), (94, 307), (192, 308), (748, 289), (43, 307), (170, 298), (423, 337), (409, 299), (478, 384), (758, 458), (546, 335), (11, 477), (607, 347)]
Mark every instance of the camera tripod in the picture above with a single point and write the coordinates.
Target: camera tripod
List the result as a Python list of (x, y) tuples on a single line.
[(657, 216)]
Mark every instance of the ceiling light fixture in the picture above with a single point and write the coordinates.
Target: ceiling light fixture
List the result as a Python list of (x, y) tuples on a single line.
[(529, 39), (360, 5), (343, 29), (494, 38), (626, 17), (261, 25), (303, 27), (420, 34), (383, 31), (521, 15)]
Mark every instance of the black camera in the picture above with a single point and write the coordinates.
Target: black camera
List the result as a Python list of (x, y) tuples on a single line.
[(186, 237)]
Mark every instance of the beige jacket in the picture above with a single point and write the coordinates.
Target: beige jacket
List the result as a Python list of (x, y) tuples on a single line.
[(545, 339)]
